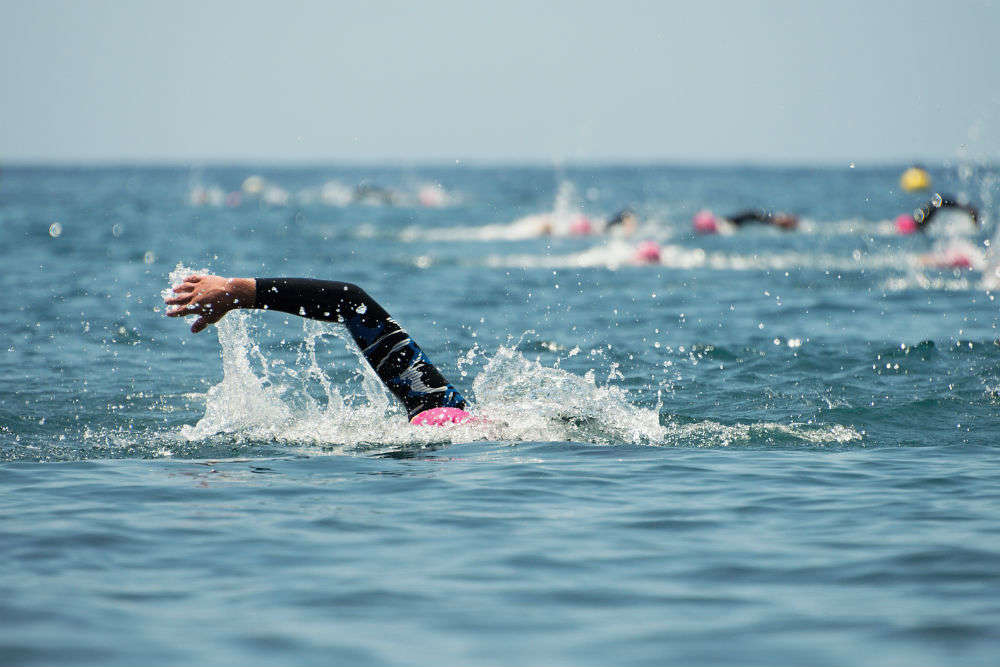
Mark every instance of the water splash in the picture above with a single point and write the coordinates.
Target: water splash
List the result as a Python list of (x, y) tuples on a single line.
[(515, 399), (615, 254), (260, 398)]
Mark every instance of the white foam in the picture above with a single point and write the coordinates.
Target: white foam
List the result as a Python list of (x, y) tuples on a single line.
[(515, 399), (617, 253)]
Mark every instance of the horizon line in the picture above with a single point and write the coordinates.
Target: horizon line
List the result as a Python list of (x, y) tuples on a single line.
[(436, 162)]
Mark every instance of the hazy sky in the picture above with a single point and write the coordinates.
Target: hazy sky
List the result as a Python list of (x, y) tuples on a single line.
[(797, 81)]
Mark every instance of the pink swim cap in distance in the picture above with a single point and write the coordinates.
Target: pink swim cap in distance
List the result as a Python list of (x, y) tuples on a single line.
[(580, 226), (704, 222), (959, 261), (905, 224), (440, 417), (648, 252)]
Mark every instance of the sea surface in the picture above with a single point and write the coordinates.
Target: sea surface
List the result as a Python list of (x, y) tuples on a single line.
[(764, 448)]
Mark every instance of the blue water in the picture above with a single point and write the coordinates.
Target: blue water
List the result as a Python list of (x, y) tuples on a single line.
[(767, 448)]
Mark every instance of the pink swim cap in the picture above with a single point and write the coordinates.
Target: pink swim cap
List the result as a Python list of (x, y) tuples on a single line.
[(580, 226), (956, 259), (440, 417), (648, 252), (704, 222), (905, 224)]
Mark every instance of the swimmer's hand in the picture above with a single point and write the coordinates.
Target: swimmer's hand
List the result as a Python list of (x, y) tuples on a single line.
[(210, 297)]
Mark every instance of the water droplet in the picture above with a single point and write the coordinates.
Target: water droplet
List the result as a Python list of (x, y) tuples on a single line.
[(149, 257), (55, 229)]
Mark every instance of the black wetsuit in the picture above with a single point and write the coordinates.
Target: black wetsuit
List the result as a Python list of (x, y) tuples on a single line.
[(398, 361), (923, 215), (751, 215), (620, 217)]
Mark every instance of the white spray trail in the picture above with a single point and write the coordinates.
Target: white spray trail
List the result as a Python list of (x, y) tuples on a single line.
[(261, 397)]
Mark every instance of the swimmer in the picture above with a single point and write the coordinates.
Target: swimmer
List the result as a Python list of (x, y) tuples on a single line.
[(398, 361), (550, 224), (366, 193), (705, 222), (626, 219), (908, 224), (647, 252)]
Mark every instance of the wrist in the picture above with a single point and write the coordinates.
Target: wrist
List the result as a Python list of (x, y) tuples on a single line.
[(243, 291)]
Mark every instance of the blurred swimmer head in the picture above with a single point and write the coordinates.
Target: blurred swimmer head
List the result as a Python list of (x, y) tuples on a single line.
[(440, 417), (432, 196), (786, 221), (648, 252), (905, 224), (581, 226), (705, 223)]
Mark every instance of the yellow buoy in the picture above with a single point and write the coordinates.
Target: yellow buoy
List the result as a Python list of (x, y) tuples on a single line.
[(915, 178)]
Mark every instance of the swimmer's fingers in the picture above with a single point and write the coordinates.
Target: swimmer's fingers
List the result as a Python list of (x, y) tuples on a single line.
[(186, 305), (182, 294), (181, 311), (205, 320), (209, 297), (178, 299)]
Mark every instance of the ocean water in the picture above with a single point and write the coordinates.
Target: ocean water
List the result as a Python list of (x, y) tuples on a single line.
[(765, 448)]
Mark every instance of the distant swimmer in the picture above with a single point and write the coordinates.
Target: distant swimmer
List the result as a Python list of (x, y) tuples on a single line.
[(398, 361), (624, 219), (647, 252), (908, 224), (554, 224), (956, 255), (366, 193), (705, 222)]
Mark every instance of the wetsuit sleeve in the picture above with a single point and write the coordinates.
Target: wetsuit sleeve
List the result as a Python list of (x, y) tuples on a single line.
[(923, 215), (749, 215), (398, 361)]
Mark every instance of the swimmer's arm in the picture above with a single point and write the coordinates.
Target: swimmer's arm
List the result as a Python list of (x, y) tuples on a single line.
[(951, 202), (210, 298), (749, 215), (327, 300), (926, 213)]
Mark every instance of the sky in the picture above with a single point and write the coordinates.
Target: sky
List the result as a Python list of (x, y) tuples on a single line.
[(794, 82)]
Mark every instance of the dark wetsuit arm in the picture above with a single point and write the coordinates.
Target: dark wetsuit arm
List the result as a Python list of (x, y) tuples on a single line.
[(923, 215), (749, 215), (398, 361)]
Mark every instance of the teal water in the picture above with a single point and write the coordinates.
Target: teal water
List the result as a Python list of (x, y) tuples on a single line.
[(767, 448)]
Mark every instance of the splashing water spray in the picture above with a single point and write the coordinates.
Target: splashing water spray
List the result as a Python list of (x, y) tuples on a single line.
[(515, 399)]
